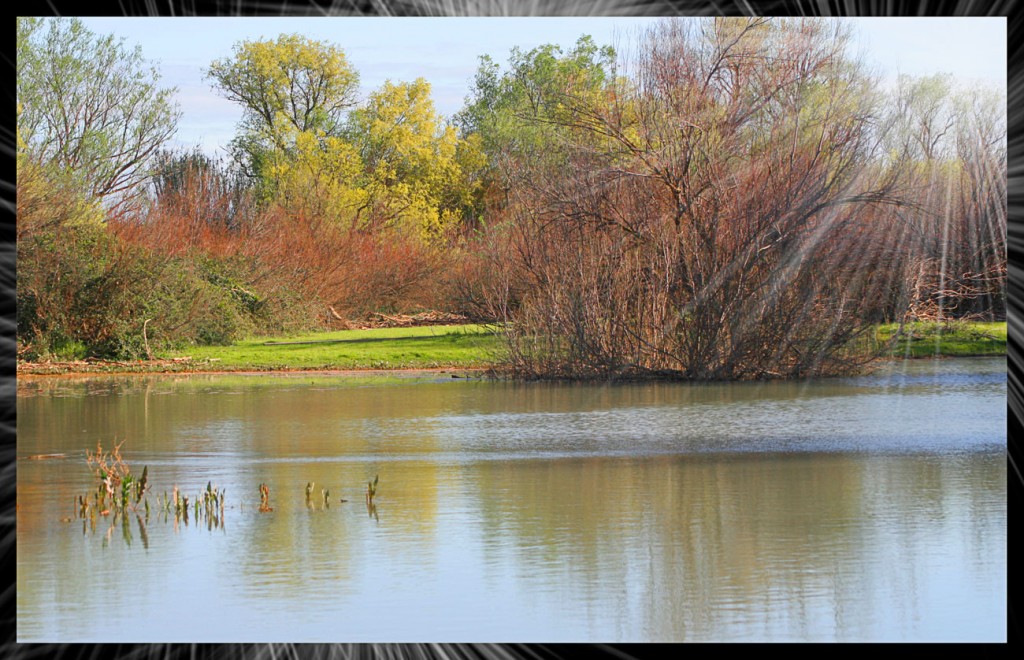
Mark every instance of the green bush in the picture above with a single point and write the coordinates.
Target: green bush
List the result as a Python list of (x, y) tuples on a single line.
[(84, 291), (87, 293)]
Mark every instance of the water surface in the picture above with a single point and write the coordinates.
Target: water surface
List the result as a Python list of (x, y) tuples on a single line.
[(862, 509)]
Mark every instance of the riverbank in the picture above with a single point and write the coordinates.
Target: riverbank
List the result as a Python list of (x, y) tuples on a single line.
[(459, 349), (462, 350), (954, 339)]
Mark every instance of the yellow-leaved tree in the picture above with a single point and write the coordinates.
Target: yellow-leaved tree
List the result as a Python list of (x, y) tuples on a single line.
[(287, 87), (318, 175), (414, 175), (390, 163)]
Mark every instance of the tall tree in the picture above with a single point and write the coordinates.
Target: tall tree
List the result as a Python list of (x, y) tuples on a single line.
[(954, 246), (90, 106), (286, 86), (520, 114)]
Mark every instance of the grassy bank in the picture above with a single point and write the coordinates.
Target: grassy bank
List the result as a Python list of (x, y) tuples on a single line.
[(458, 347), (955, 339), (426, 347)]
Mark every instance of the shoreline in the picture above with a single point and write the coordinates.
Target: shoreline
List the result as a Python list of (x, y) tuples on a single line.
[(463, 350), (29, 371), (146, 370)]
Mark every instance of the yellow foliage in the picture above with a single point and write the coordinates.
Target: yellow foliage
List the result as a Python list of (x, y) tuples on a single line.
[(48, 200), (413, 164), (307, 82), (318, 174)]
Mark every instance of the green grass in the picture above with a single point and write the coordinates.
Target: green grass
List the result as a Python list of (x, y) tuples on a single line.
[(952, 339), (465, 346), (472, 346)]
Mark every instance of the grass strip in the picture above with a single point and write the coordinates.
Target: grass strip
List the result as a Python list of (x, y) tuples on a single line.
[(424, 347), (463, 347), (949, 339)]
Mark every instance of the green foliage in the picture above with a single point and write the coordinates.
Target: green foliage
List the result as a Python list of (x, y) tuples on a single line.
[(63, 348), (288, 86), (537, 85), (196, 306), (90, 107), (85, 292), (516, 113), (63, 255)]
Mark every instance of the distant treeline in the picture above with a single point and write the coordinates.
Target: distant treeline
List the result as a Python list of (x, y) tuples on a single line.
[(735, 198)]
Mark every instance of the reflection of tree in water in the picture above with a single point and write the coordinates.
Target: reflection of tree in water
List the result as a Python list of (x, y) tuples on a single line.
[(763, 545), (710, 547)]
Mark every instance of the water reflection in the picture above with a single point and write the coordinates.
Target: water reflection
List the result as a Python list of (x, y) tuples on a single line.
[(861, 509)]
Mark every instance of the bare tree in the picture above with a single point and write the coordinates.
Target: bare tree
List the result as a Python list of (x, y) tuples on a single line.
[(713, 220), (952, 246)]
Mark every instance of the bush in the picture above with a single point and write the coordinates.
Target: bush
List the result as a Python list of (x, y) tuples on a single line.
[(483, 280), (84, 291)]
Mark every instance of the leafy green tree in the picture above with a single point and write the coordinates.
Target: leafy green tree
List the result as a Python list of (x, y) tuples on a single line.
[(90, 107), (525, 113), (535, 87), (286, 86)]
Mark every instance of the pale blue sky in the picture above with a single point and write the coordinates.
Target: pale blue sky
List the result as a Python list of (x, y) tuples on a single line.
[(445, 51)]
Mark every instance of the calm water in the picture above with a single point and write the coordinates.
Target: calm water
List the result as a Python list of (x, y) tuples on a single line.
[(860, 509)]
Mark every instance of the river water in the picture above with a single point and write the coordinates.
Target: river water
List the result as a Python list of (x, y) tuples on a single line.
[(860, 509)]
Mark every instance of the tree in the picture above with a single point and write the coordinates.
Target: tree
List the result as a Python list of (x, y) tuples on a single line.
[(286, 86), (212, 191), (90, 107), (318, 176), (952, 247), (710, 215), (520, 114), (412, 164)]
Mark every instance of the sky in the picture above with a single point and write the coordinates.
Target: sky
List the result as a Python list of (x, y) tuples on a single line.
[(445, 52)]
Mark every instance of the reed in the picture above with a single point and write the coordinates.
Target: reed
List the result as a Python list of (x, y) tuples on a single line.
[(264, 499), (371, 489)]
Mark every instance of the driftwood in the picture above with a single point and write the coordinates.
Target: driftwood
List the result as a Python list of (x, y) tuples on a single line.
[(381, 320), (431, 317)]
